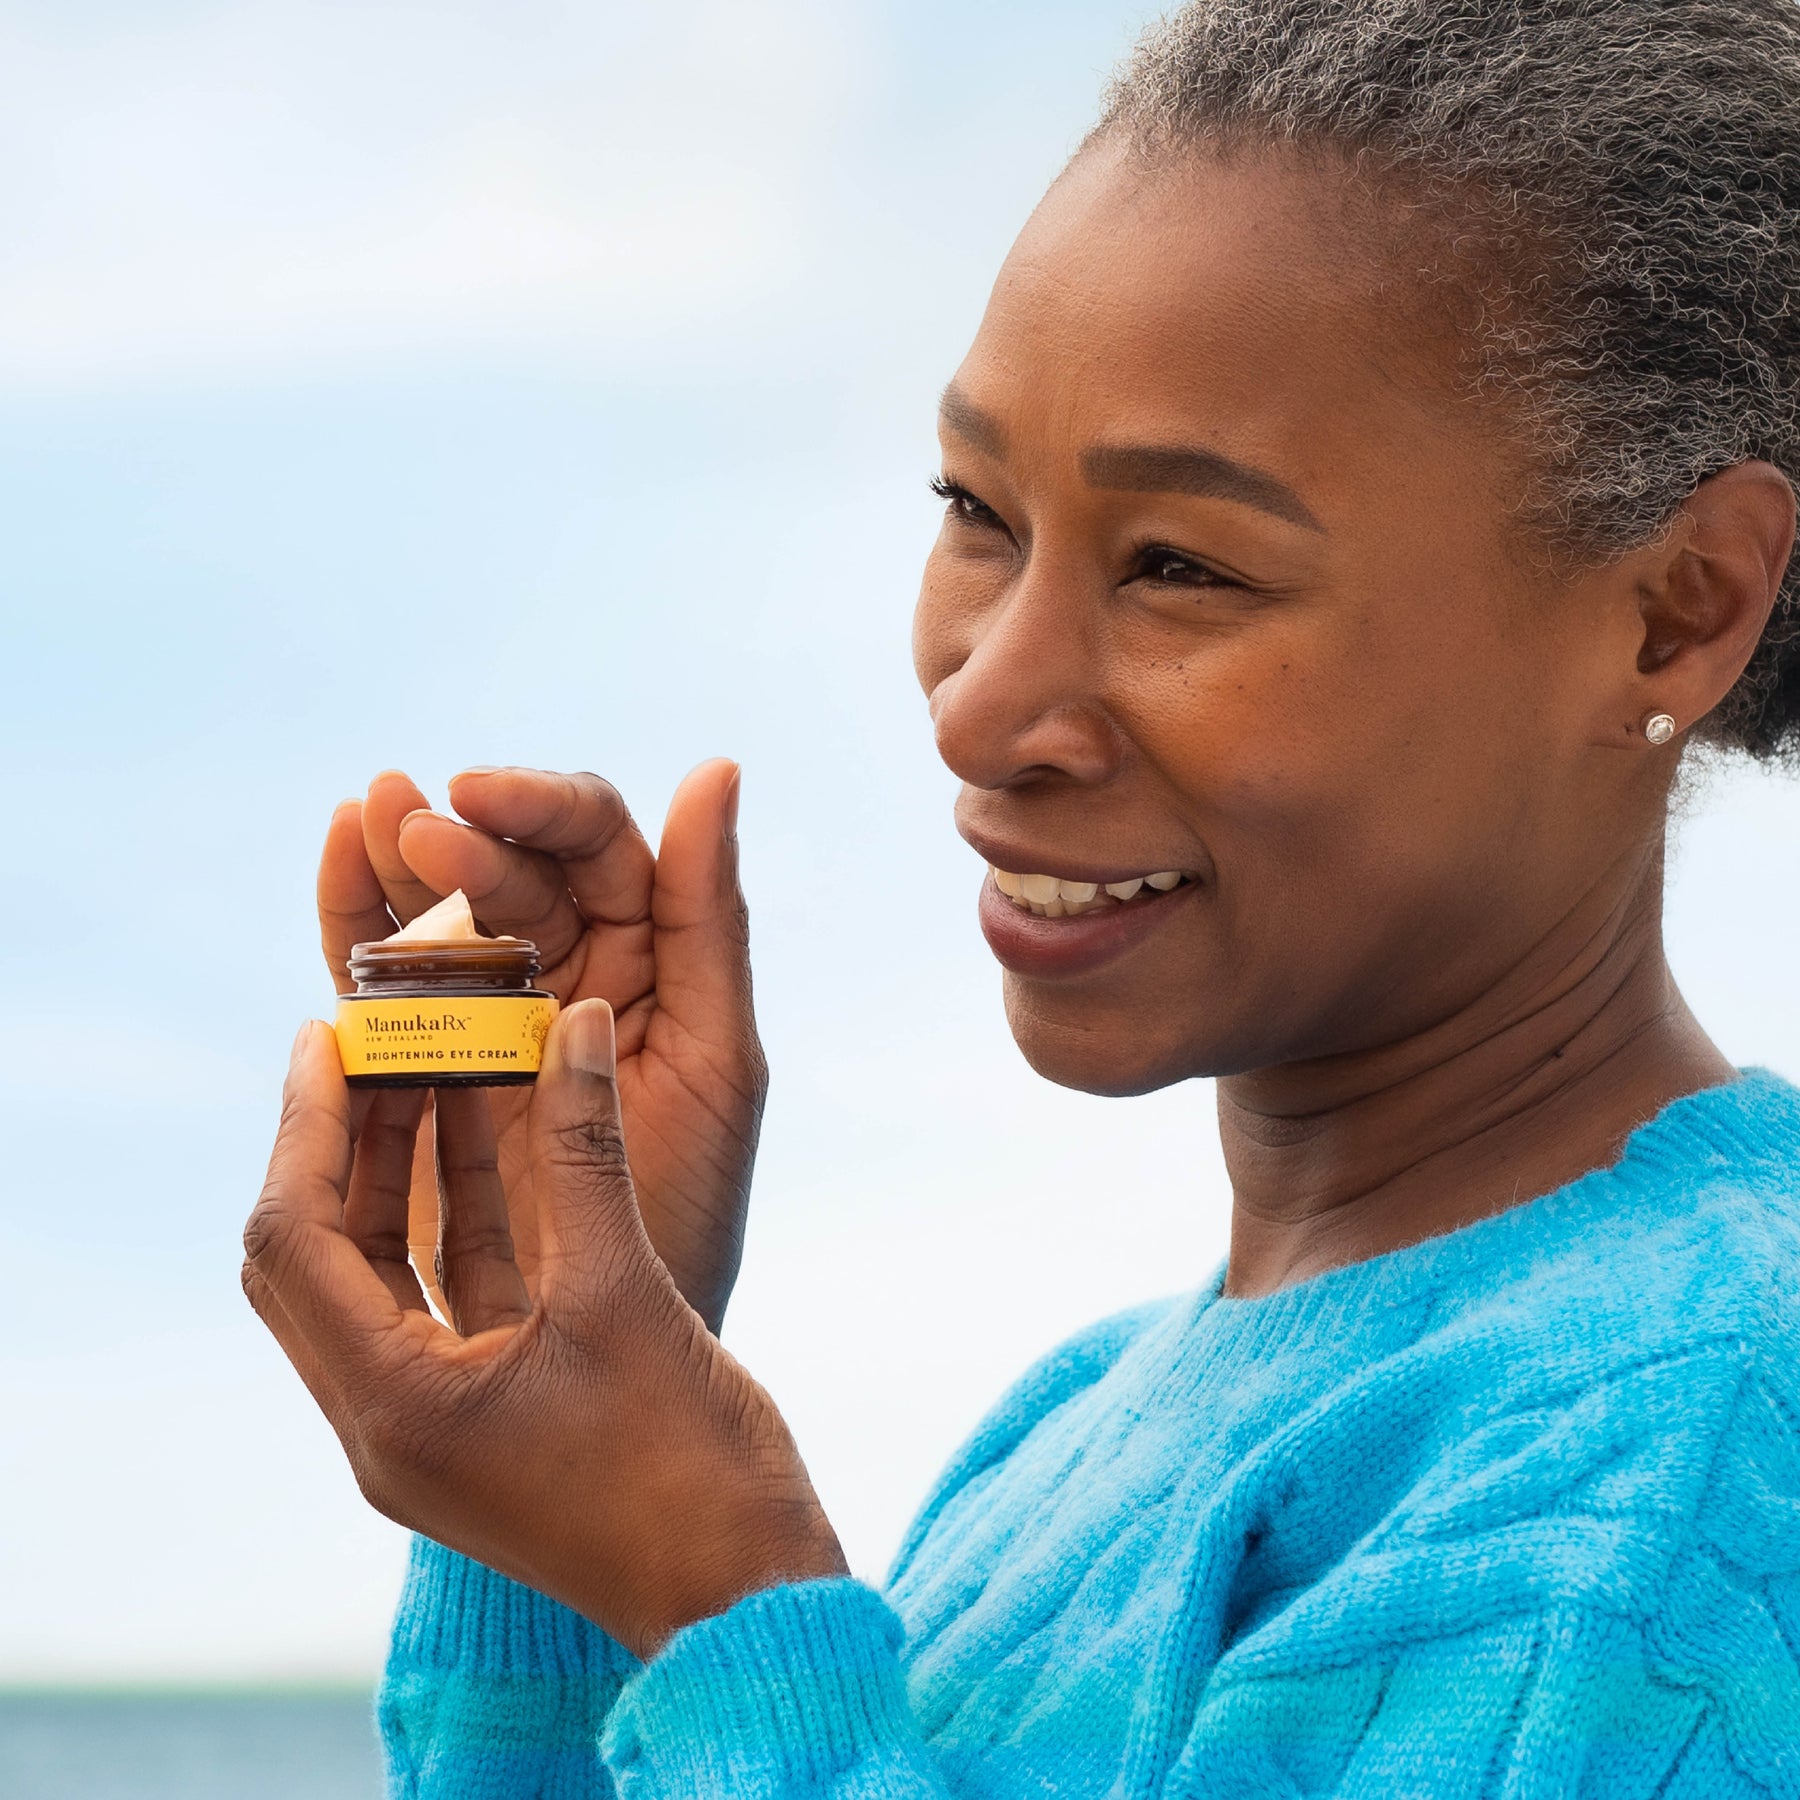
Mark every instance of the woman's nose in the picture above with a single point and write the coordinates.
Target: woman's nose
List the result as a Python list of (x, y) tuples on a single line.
[(1025, 704)]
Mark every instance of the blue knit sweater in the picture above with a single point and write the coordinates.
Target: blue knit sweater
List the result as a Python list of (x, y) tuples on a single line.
[(1513, 1512)]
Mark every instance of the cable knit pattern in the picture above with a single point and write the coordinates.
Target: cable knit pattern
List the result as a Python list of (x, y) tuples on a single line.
[(1512, 1513)]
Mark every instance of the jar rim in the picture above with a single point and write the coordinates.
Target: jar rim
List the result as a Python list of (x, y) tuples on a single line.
[(445, 954)]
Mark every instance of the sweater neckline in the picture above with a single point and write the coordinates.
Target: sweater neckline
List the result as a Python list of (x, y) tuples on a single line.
[(1717, 1125)]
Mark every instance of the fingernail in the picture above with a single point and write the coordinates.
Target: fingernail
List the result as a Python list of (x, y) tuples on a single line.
[(587, 1038), (300, 1038), (731, 801), (480, 769)]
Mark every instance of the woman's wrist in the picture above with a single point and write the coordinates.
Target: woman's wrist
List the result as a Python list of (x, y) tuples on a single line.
[(771, 1552), (711, 1529)]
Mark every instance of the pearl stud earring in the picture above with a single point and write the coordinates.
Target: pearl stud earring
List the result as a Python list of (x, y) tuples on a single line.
[(1659, 728)]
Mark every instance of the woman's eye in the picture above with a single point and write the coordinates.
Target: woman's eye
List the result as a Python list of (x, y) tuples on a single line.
[(1170, 566), (962, 504)]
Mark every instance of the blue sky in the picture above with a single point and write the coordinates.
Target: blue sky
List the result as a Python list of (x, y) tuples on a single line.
[(393, 384)]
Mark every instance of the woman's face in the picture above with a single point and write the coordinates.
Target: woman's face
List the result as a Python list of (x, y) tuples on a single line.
[(1226, 588)]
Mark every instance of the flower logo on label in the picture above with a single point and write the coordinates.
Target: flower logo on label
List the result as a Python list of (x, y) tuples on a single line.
[(539, 1029)]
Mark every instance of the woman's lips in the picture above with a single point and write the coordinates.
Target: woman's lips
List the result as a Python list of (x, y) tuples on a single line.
[(1048, 949)]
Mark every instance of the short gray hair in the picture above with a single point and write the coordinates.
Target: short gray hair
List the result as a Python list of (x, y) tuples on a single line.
[(1648, 152)]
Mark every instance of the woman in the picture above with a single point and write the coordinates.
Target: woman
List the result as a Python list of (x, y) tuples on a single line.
[(1369, 476)]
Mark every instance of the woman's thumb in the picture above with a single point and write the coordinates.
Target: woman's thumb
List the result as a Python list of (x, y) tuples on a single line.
[(588, 1220)]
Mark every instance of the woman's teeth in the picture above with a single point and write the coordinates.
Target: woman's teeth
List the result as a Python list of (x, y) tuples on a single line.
[(1050, 897)]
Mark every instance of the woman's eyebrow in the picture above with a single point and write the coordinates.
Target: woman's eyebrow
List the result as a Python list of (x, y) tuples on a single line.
[(958, 414), (1154, 470), (1146, 469)]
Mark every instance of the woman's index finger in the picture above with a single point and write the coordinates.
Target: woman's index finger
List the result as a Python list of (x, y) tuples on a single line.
[(352, 907), (392, 796), (581, 820)]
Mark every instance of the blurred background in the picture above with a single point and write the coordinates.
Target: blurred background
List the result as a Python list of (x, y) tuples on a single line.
[(389, 384)]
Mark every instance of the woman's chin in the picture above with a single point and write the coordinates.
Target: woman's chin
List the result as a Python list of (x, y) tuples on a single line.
[(1095, 1049)]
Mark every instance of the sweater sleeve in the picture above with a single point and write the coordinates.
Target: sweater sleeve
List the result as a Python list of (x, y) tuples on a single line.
[(795, 1691), (492, 1691)]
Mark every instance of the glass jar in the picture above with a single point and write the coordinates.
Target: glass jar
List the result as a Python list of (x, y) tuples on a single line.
[(461, 1013)]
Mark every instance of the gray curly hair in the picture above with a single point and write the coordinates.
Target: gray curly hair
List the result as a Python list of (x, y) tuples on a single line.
[(1628, 172)]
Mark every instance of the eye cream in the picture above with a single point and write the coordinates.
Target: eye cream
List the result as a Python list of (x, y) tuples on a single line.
[(439, 1005)]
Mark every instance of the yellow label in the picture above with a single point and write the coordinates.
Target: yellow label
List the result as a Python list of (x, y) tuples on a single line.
[(448, 1034)]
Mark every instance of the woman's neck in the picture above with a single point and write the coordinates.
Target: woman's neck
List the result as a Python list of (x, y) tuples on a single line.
[(1538, 1081)]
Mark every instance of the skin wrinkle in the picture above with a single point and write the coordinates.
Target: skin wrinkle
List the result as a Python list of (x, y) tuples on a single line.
[(1540, 1084), (1589, 996), (1574, 968)]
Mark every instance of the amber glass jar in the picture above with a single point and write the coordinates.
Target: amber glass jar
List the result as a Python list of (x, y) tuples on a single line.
[(461, 1013)]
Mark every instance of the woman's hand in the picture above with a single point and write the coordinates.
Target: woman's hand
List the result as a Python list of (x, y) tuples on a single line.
[(590, 1439), (662, 938)]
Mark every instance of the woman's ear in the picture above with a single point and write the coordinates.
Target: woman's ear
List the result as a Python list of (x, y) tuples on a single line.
[(1706, 589)]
